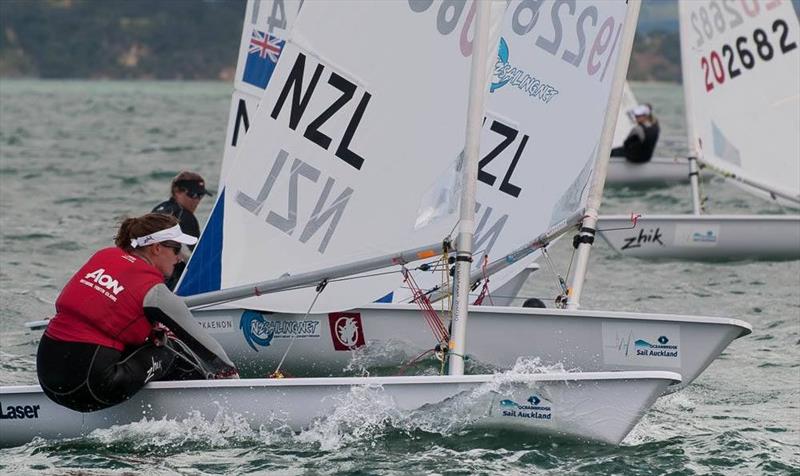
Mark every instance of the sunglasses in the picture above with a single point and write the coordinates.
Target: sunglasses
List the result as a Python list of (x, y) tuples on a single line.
[(175, 247), (194, 194)]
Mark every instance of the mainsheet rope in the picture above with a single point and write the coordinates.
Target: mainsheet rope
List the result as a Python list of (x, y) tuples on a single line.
[(562, 284), (485, 289), (320, 287)]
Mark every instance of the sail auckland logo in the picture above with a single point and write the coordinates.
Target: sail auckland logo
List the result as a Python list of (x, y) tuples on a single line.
[(259, 331), (707, 237), (505, 73), (535, 408), (662, 349)]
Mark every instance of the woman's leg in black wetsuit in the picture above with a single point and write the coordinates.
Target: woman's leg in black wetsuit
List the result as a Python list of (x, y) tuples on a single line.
[(618, 152), (90, 377), (147, 363)]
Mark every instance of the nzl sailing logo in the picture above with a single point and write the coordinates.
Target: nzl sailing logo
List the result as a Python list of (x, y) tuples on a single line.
[(636, 241), (259, 331), (505, 73), (535, 408), (346, 330)]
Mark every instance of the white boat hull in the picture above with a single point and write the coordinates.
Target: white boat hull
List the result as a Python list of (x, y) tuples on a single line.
[(704, 237), (658, 171), (388, 335), (600, 407)]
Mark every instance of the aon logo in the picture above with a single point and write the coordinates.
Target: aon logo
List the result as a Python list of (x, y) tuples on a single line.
[(100, 277)]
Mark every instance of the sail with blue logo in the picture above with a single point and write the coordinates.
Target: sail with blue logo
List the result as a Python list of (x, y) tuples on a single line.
[(537, 151), (327, 171)]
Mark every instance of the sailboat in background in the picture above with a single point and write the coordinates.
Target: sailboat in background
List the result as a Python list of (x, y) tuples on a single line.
[(741, 79), (657, 171), (332, 44)]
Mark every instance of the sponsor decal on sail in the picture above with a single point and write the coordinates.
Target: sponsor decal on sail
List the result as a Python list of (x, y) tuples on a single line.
[(535, 408), (347, 332), (707, 237), (506, 73), (260, 332), (217, 324), (19, 412), (662, 349), (697, 236), (642, 345), (653, 236)]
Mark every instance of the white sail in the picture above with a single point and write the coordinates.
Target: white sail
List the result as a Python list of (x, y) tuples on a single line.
[(266, 26), (741, 65), (340, 148), (625, 120), (544, 119)]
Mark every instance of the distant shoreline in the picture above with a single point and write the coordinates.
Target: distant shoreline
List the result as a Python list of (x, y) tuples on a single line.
[(215, 81)]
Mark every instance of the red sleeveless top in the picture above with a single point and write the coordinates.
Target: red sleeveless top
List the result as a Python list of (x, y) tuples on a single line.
[(103, 302)]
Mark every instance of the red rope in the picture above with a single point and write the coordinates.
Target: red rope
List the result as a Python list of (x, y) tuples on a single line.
[(413, 361), (485, 289), (430, 314)]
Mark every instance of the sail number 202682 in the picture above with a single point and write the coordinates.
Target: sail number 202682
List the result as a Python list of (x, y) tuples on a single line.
[(745, 53)]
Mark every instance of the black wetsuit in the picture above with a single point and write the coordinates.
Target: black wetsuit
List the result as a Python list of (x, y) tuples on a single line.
[(189, 225), (89, 377), (640, 143)]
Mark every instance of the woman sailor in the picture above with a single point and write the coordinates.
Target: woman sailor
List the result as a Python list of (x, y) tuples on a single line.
[(641, 141), (107, 338)]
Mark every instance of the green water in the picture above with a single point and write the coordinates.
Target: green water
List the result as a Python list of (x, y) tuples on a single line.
[(75, 156)]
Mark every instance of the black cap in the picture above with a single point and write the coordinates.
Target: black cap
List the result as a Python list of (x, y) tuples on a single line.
[(191, 182)]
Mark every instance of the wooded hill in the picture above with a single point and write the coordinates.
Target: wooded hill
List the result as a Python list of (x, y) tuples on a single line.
[(178, 39)]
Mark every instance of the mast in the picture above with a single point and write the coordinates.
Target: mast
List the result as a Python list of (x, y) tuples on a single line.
[(589, 225), (694, 181), (515, 255), (695, 151), (466, 224)]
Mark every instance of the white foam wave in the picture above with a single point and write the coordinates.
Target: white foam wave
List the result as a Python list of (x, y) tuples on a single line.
[(367, 412), (226, 427)]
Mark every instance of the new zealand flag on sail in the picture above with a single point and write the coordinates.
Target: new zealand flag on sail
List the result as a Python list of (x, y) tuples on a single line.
[(262, 56)]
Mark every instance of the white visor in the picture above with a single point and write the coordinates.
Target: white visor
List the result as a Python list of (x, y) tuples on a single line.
[(170, 234), (641, 110)]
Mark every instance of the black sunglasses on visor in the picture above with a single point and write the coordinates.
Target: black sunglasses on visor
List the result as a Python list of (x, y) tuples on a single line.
[(174, 246)]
